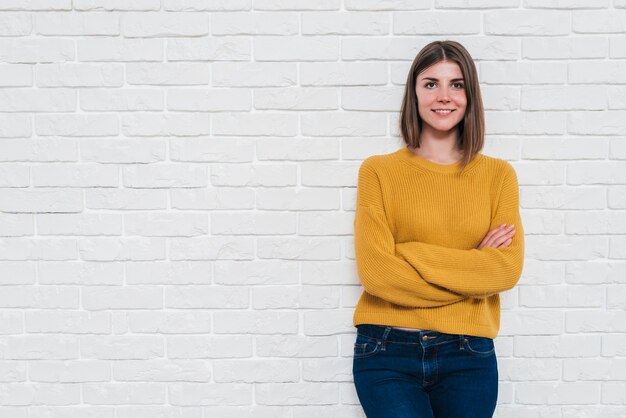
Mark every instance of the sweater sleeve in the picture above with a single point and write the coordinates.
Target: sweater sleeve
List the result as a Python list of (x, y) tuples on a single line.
[(381, 272), (475, 273)]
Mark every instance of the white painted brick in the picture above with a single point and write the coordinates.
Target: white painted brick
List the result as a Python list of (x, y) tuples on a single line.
[(595, 271), (299, 249), (295, 297), (57, 150), (39, 347), (592, 172), (584, 296), (547, 48), (482, 4), (617, 197), (557, 393), (296, 99), (346, 23), (527, 22), (279, 23), (325, 223), (13, 371), (599, 72), (206, 5), (15, 24), (213, 150), (343, 74), (40, 249), (599, 21), (174, 273), (120, 50), (157, 24), (34, 50), (160, 370), (213, 198), (303, 5), (80, 273), (17, 272), (285, 49), (256, 371), (228, 48), (222, 394), (13, 175), (125, 199), (123, 150), (70, 23), (37, 100), (186, 322), (79, 175), (203, 347), (79, 75), (168, 74), (264, 272), (296, 393), (129, 347), (143, 5), (224, 297), (120, 393), (213, 100), (262, 74), (560, 148), (261, 223), (41, 200), (165, 124), (121, 100), (74, 371), (79, 224), (563, 98), (269, 175), (12, 323), (36, 5), (428, 23), (148, 411), (595, 320), (39, 394), (76, 125), (170, 175), (211, 248), (122, 249), (71, 411), (70, 322)]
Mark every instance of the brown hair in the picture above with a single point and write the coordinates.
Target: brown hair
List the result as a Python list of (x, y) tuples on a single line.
[(472, 127)]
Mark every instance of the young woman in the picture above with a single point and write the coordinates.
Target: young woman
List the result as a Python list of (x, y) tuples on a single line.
[(437, 236)]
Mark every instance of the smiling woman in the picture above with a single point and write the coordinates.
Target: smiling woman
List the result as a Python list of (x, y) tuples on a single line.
[(431, 251)]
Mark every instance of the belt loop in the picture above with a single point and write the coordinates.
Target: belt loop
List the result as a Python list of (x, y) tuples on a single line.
[(384, 339)]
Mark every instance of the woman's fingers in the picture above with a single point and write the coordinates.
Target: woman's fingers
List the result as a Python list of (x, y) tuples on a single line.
[(497, 237)]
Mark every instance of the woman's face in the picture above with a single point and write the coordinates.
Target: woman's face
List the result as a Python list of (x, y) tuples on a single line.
[(441, 86)]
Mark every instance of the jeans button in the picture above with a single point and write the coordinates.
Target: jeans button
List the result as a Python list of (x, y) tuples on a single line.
[(425, 338)]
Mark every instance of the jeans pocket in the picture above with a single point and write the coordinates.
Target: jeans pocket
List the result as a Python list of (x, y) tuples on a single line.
[(478, 346), (366, 346)]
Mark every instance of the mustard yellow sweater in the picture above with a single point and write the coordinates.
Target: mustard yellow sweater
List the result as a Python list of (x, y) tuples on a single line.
[(417, 227)]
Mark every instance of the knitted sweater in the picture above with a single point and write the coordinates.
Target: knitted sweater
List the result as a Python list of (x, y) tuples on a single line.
[(417, 227)]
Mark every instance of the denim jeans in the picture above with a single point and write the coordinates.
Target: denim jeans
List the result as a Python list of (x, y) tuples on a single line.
[(416, 374)]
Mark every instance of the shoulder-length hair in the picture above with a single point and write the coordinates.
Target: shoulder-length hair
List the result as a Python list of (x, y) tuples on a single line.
[(472, 128)]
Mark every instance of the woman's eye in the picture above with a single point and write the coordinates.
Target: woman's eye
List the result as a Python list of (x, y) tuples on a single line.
[(460, 85)]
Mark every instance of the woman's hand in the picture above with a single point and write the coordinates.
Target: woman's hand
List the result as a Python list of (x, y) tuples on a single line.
[(500, 236)]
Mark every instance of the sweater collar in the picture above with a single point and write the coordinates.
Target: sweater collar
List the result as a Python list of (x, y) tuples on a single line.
[(405, 154)]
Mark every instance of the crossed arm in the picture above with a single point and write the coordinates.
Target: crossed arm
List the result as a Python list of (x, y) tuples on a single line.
[(417, 274)]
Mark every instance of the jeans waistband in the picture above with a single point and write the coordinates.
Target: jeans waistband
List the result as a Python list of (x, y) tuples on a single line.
[(385, 332)]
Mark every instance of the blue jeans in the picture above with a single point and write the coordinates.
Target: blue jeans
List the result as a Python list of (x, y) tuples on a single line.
[(415, 374)]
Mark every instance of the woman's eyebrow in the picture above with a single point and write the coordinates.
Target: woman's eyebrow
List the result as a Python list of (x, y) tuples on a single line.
[(436, 79)]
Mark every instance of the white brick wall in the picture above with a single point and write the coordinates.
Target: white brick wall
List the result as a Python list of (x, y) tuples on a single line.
[(177, 186)]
